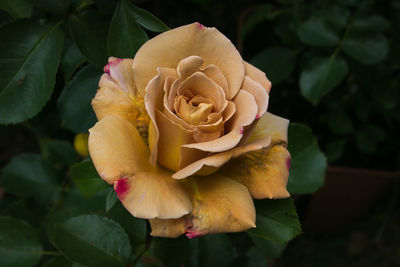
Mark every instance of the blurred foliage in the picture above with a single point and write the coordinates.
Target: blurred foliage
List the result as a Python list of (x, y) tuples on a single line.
[(334, 66)]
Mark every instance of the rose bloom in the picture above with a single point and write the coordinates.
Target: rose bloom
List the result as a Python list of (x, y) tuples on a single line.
[(184, 137)]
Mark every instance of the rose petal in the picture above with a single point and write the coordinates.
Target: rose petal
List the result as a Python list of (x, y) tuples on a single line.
[(246, 112), (211, 164), (260, 94), (216, 75), (188, 66), (257, 75), (120, 71), (200, 85), (200, 136), (153, 194), (265, 172), (169, 48), (154, 100), (220, 205), (113, 101), (117, 149), (272, 126), (168, 228), (170, 142)]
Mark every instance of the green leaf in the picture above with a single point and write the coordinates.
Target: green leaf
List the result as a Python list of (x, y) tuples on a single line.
[(59, 216), (208, 245), (339, 122), (111, 200), (148, 20), (334, 150), (93, 240), (19, 243), (336, 16), (320, 76), (17, 8), (85, 177), (59, 261), (136, 228), (74, 103), (252, 258), (367, 48), (172, 252), (308, 164), (28, 175), (26, 209), (29, 68), (269, 248), (89, 31), (125, 36), (316, 32), (276, 220), (368, 137), (261, 13), (71, 59), (62, 152), (277, 62), (372, 23), (58, 7)]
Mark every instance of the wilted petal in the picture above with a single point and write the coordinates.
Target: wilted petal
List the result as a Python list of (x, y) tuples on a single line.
[(113, 101), (153, 194), (246, 112), (257, 75), (265, 172), (211, 164), (220, 205), (168, 227), (260, 94), (117, 149), (272, 126), (169, 48), (120, 71)]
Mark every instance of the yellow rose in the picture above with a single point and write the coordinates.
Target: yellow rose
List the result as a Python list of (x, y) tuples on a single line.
[(169, 122)]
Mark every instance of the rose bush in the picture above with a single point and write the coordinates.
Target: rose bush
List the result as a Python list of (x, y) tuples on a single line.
[(184, 136)]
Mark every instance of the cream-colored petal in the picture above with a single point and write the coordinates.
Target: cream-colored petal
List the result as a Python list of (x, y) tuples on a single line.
[(169, 48), (120, 70), (200, 85), (257, 75), (154, 100), (272, 126), (170, 141), (246, 112), (216, 75), (229, 111), (220, 205), (200, 136), (189, 65), (117, 149), (153, 194), (168, 228), (211, 164), (113, 101), (259, 93), (265, 172)]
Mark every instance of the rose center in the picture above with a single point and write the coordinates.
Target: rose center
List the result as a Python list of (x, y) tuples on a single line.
[(193, 110)]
